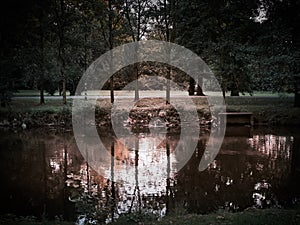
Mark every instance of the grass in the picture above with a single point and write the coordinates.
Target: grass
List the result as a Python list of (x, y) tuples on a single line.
[(29, 104), (250, 217), (247, 217), (33, 93), (131, 93), (13, 220), (268, 108)]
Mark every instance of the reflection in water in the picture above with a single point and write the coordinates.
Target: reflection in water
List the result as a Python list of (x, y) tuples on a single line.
[(44, 174), (272, 145)]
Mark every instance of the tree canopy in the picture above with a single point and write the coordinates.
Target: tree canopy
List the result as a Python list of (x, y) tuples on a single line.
[(250, 45)]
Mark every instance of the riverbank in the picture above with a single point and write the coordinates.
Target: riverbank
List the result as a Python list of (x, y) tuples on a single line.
[(247, 217), (271, 111)]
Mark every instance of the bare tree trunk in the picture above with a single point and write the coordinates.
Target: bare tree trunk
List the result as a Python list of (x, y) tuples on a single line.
[(192, 86), (42, 98), (223, 92), (135, 38), (111, 46), (170, 21), (223, 84), (168, 97), (199, 86), (64, 91), (59, 12), (166, 14), (297, 91), (136, 92)]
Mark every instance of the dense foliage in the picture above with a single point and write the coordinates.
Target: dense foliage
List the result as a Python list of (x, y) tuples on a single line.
[(250, 45)]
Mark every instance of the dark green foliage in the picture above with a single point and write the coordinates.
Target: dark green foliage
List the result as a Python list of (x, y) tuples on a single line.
[(43, 42), (279, 49), (245, 54)]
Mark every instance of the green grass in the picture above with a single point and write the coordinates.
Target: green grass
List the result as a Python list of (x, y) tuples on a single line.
[(30, 105), (250, 217), (34, 93), (174, 93), (268, 108), (247, 217), (13, 220)]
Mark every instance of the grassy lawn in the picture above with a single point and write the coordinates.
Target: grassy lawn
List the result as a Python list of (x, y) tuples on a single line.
[(268, 108), (131, 93), (251, 217), (30, 221), (248, 217), (33, 93)]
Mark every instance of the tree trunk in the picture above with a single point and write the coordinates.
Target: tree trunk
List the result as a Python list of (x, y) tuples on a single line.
[(297, 91), (234, 89), (112, 96), (64, 92), (60, 13), (167, 13), (234, 92), (136, 92), (168, 98), (111, 46), (135, 37), (199, 86), (72, 91), (192, 86), (42, 97)]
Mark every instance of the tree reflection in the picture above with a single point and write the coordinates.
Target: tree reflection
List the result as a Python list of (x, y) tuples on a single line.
[(258, 170)]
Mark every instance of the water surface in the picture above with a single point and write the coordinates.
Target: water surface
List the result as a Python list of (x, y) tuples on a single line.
[(44, 174)]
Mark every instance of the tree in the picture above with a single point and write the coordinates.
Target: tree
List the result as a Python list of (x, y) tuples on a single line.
[(112, 22), (164, 23), (222, 34), (17, 35), (280, 46), (35, 55), (61, 16), (138, 17), (192, 32)]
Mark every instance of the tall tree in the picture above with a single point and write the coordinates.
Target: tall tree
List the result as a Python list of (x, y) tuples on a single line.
[(164, 23), (138, 17), (112, 22), (42, 24), (59, 8), (15, 33), (219, 33), (280, 45)]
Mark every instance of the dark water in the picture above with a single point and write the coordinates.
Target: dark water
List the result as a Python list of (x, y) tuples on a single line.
[(44, 174)]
